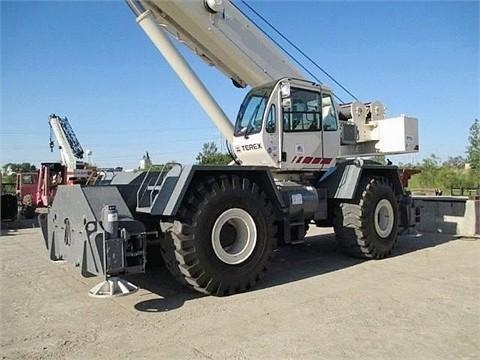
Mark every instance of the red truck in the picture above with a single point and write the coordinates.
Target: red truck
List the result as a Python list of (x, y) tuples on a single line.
[(37, 189)]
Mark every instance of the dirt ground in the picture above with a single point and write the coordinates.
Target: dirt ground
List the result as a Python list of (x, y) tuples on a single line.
[(315, 302)]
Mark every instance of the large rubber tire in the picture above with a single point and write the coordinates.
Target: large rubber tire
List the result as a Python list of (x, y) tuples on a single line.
[(367, 227), (240, 213), (167, 248)]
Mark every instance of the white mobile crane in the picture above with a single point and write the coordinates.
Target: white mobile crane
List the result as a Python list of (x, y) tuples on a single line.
[(71, 151), (298, 162), (71, 170), (40, 192)]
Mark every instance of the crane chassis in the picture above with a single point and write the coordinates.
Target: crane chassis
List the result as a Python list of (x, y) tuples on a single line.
[(298, 162)]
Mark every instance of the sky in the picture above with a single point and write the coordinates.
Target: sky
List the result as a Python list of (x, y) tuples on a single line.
[(89, 61)]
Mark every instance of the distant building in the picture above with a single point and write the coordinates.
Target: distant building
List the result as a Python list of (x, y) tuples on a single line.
[(146, 162)]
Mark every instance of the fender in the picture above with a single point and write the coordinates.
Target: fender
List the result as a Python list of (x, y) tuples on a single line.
[(342, 181), (170, 197)]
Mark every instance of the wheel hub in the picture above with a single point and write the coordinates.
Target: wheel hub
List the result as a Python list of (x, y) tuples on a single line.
[(234, 236), (384, 218)]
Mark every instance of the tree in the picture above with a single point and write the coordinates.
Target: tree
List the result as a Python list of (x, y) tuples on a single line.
[(446, 175), (457, 162), (211, 155), (432, 162), (379, 159), (473, 149), (156, 167), (18, 167)]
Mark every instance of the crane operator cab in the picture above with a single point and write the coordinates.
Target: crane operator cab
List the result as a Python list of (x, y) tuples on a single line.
[(288, 125)]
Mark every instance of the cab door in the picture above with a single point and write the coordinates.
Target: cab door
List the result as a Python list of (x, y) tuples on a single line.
[(302, 138), (272, 131), (330, 131)]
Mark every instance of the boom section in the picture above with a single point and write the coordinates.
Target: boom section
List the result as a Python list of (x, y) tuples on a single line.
[(221, 35), (68, 144)]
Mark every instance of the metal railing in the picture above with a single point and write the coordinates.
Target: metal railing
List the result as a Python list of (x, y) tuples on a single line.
[(146, 185), (142, 189), (465, 191)]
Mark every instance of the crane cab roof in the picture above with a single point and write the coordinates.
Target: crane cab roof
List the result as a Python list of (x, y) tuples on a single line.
[(302, 83)]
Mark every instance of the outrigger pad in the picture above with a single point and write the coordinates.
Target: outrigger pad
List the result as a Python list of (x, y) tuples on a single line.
[(112, 287)]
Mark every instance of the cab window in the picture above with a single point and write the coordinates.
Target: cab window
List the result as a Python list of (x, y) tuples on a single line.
[(28, 179), (303, 111), (329, 120), (271, 119), (249, 120)]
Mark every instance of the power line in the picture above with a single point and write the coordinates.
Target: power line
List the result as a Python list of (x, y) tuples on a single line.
[(112, 131), (296, 48), (284, 49)]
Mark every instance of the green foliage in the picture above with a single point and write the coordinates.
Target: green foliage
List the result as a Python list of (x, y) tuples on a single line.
[(211, 155), (473, 149), (9, 179), (457, 162), (18, 167), (444, 176), (379, 159), (8, 184), (156, 167)]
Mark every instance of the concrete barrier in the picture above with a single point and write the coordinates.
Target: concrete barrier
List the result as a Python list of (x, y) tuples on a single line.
[(449, 215)]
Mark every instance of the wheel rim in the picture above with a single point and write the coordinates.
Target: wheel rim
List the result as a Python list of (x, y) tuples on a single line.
[(234, 236), (384, 218)]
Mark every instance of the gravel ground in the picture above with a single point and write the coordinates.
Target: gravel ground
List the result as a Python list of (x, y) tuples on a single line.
[(422, 303)]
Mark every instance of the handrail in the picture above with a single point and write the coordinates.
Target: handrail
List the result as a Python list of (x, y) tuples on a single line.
[(159, 181), (141, 186), (164, 169)]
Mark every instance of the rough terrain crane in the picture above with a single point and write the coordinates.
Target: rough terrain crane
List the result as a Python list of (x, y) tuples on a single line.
[(71, 170), (298, 161), (71, 151), (37, 189)]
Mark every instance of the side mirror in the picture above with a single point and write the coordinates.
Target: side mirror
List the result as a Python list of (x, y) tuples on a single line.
[(286, 103), (270, 126), (285, 89)]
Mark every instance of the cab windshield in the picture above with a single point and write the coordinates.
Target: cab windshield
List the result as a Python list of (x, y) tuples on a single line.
[(249, 120)]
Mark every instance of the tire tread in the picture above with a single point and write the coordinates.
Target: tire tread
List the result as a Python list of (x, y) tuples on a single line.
[(186, 266), (351, 220)]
